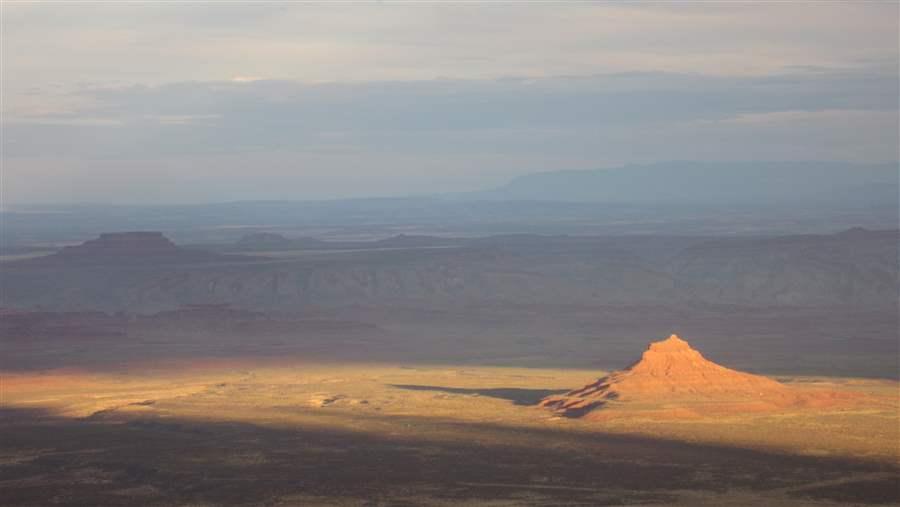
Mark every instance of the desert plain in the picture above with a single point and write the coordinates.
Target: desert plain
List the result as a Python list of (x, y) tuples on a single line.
[(289, 431)]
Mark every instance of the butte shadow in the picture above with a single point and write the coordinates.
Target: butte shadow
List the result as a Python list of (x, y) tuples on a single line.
[(518, 396)]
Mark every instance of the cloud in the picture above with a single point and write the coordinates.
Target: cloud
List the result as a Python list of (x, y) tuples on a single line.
[(288, 139), (297, 100), (246, 79), (155, 43), (284, 115)]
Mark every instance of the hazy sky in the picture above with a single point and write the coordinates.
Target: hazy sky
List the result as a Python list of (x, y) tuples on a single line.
[(188, 102)]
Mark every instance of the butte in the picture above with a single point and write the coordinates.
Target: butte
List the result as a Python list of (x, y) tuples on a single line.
[(674, 380)]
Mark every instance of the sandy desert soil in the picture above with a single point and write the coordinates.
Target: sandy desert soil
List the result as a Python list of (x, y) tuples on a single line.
[(263, 432)]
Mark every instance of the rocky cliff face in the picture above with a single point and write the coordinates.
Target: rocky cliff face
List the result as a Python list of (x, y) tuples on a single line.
[(859, 270), (419, 279), (855, 267)]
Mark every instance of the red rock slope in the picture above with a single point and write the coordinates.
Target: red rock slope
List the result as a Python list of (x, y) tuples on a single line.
[(674, 378)]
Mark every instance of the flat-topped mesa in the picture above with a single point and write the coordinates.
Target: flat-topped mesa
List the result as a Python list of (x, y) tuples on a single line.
[(138, 243), (144, 248)]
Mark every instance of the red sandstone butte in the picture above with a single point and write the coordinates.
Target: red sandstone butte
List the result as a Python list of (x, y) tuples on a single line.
[(673, 379)]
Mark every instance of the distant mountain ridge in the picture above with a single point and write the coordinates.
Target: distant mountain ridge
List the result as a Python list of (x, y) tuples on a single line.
[(856, 268), (745, 183), (671, 198)]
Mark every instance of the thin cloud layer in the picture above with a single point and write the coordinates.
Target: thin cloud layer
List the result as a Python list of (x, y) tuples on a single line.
[(295, 100)]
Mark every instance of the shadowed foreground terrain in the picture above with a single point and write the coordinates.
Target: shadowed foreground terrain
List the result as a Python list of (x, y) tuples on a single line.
[(179, 462), (260, 433)]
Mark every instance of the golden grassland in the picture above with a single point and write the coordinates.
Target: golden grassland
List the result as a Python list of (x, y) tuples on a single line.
[(372, 398), (293, 433)]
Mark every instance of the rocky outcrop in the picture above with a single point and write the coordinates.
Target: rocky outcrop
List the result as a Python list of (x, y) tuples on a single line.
[(123, 244), (137, 247), (672, 378)]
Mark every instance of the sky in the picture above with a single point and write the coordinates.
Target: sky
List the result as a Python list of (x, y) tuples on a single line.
[(220, 101)]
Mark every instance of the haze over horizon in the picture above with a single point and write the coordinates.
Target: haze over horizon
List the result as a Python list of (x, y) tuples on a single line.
[(121, 104)]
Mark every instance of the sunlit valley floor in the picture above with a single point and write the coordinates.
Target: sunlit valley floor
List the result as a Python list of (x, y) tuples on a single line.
[(294, 432)]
